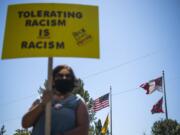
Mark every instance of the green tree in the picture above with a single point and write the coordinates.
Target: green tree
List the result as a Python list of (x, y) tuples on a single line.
[(22, 132), (98, 126), (95, 129), (79, 89), (166, 127), (3, 130)]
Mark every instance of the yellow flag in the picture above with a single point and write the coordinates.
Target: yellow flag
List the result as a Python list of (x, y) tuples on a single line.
[(105, 126)]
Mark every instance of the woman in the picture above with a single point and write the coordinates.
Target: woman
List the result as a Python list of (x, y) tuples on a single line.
[(69, 115)]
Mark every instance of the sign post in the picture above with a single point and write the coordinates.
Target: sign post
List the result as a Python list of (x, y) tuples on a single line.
[(48, 106)]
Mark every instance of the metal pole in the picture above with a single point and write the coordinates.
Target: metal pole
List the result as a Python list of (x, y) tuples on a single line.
[(111, 110), (48, 106), (165, 101)]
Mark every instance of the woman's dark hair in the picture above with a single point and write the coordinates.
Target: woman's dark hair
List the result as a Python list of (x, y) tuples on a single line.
[(60, 67)]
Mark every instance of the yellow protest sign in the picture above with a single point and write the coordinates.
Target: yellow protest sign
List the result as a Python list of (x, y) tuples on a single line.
[(47, 30)]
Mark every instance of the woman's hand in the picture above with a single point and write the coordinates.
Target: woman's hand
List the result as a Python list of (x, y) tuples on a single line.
[(46, 97), (35, 111)]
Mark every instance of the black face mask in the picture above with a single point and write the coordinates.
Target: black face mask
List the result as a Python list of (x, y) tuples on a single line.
[(64, 86)]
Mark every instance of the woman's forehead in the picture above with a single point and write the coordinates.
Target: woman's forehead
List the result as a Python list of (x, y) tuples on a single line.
[(64, 71)]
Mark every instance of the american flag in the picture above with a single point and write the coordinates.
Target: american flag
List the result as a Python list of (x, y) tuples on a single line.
[(101, 102)]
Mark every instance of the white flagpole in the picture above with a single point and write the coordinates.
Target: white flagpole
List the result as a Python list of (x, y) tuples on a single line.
[(48, 106), (165, 101), (110, 110)]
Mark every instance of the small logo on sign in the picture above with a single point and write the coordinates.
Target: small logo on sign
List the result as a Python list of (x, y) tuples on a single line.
[(81, 36)]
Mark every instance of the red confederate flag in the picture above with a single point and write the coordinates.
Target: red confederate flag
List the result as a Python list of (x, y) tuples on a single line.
[(157, 108), (101, 102), (151, 86)]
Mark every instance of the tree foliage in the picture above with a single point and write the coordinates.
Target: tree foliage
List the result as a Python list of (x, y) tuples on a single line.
[(166, 127), (3, 130), (79, 89), (98, 126), (95, 127), (22, 132)]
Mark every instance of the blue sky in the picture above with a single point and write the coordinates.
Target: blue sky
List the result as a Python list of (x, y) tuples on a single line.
[(138, 39)]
